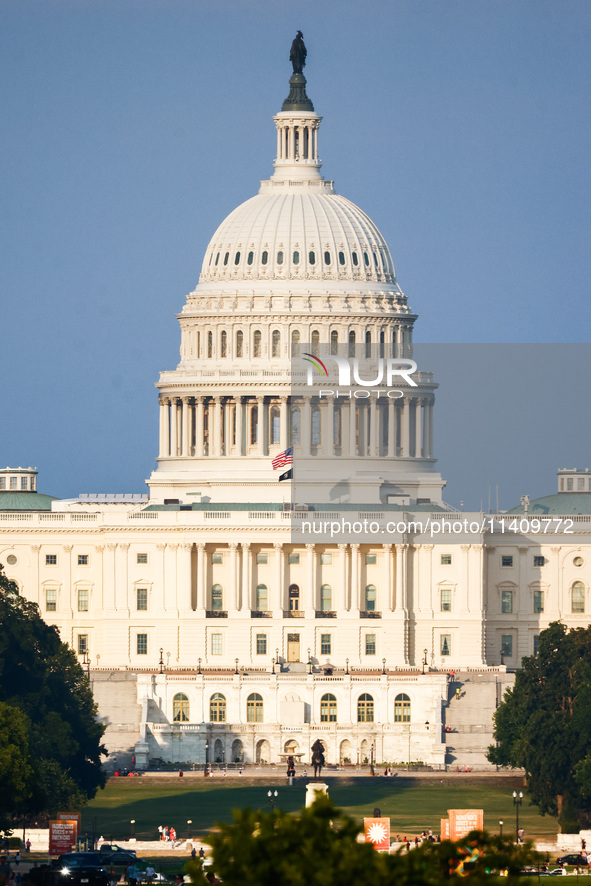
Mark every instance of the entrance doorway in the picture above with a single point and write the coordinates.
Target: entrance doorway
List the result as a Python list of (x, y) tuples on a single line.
[(293, 647)]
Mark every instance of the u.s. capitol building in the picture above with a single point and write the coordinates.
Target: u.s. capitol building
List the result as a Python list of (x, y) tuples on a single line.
[(233, 616)]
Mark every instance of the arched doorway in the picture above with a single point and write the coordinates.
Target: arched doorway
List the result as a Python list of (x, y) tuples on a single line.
[(364, 751), (294, 598), (237, 751), (263, 751), (218, 751), (346, 752)]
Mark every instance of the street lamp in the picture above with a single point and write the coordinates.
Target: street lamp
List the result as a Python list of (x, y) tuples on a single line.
[(309, 661), (161, 662), (517, 801), (236, 660), (272, 665), (347, 663), (189, 823), (425, 653), (383, 666), (500, 827), (132, 823), (272, 795), (205, 767), (198, 665)]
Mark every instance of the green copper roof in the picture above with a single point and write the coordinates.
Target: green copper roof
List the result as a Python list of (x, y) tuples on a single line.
[(563, 503), (25, 501)]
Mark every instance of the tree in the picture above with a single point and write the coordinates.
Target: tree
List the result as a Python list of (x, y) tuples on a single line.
[(50, 725), (543, 724), (320, 848)]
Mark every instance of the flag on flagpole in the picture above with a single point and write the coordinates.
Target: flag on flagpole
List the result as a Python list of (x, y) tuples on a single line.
[(287, 476), (284, 458)]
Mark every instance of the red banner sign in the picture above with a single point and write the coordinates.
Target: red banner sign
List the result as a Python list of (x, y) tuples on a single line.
[(62, 836), (377, 831)]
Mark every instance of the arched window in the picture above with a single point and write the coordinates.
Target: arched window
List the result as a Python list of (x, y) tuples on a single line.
[(368, 343), (217, 259), (217, 708), (276, 343), (275, 428), (198, 345), (341, 258), (264, 258), (326, 598), (237, 258), (256, 351), (328, 708), (254, 425), (224, 344), (312, 258), (334, 342), (294, 598), (295, 343), (370, 598), (402, 708), (250, 258), (239, 343), (296, 258), (210, 344), (262, 598), (217, 598), (254, 708), (226, 257), (577, 597), (355, 259), (382, 343), (295, 436), (280, 257), (327, 258), (180, 708), (365, 708), (315, 341), (366, 259), (351, 344), (315, 438)]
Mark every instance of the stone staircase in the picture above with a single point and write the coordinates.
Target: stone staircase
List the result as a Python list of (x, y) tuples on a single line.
[(470, 717), (115, 693)]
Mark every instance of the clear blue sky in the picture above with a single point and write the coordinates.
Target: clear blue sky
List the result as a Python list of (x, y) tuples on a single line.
[(130, 128)]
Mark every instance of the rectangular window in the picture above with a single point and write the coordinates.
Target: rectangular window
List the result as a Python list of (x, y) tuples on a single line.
[(261, 644), (82, 644), (82, 599), (262, 558), (507, 645), (578, 597), (569, 484), (325, 644), (216, 644), (326, 559), (82, 559), (13, 483), (141, 645), (536, 643), (445, 644), (370, 644), (217, 600), (142, 559), (51, 601), (446, 559), (506, 601), (294, 559), (23, 482), (538, 601), (370, 598), (371, 559), (446, 599), (51, 559), (507, 560), (142, 599), (539, 561), (217, 559), (2, 482)]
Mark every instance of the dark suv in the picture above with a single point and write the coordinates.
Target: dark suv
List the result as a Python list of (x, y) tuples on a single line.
[(80, 869)]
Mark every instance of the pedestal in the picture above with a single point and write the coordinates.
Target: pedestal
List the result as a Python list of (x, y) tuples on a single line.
[(313, 790)]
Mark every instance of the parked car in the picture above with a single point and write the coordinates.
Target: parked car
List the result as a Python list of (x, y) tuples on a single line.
[(573, 858), (112, 849), (79, 860), (80, 869), (119, 857)]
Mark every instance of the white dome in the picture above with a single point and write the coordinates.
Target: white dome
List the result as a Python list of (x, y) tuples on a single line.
[(290, 235)]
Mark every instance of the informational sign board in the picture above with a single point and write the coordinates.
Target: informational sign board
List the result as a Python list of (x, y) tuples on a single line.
[(445, 828), (62, 836), (462, 821), (71, 816), (377, 831)]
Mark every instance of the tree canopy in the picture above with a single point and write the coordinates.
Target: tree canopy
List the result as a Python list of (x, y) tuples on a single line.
[(50, 739), (319, 848), (543, 724)]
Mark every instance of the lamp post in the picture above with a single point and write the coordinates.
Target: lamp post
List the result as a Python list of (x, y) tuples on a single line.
[(272, 795), (309, 661), (272, 665), (161, 662), (383, 666), (132, 823), (425, 653), (500, 827), (236, 660), (189, 823), (205, 767), (198, 665), (517, 801), (347, 663)]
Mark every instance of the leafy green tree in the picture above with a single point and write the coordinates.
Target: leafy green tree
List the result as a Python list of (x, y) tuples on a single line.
[(320, 848), (17, 770), (60, 737), (543, 724)]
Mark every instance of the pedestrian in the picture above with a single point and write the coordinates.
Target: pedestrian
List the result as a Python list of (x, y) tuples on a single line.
[(179, 880), (28, 845), (193, 852), (172, 835), (160, 831), (17, 858), (150, 874), (202, 853), (165, 834), (181, 773), (583, 844), (458, 693), (132, 875)]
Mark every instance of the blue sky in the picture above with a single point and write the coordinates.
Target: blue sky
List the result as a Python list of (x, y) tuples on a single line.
[(130, 129)]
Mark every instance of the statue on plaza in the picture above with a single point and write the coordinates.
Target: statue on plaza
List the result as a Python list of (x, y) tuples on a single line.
[(298, 53), (318, 760)]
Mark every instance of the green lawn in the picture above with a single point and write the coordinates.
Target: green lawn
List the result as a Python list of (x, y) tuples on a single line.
[(413, 804)]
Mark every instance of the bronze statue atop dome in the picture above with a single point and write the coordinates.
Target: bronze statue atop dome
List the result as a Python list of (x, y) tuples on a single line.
[(298, 53)]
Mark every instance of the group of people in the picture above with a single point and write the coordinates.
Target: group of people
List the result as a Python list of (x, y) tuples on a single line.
[(167, 833), (428, 837)]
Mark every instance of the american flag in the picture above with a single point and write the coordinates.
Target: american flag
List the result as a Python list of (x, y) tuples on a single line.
[(284, 458)]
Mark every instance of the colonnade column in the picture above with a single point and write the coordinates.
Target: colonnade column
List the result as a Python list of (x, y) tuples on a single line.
[(215, 433), (306, 426), (164, 443), (200, 576), (355, 603), (239, 429), (174, 426), (246, 600), (227, 425), (198, 426), (388, 601), (391, 428), (234, 577), (310, 595), (283, 423), (374, 425), (185, 426), (278, 602), (184, 552), (260, 425), (352, 428), (342, 601), (327, 438), (418, 428), (405, 427)]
